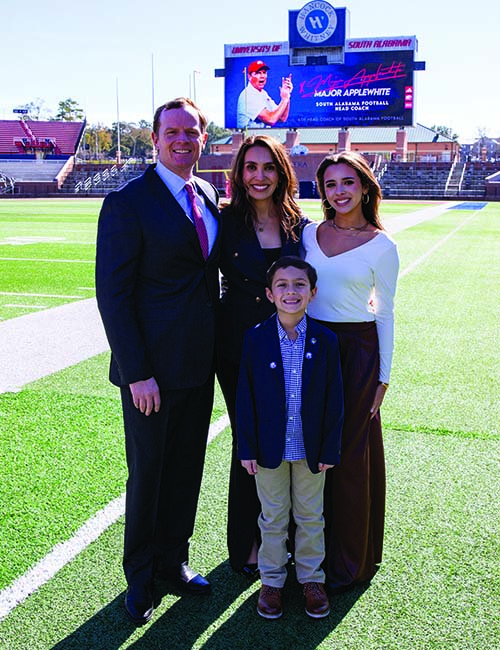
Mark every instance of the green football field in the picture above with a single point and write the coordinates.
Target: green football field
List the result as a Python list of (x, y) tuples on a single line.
[(62, 463)]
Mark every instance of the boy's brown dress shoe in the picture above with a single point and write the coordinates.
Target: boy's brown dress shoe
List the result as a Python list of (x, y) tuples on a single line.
[(269, 605), (317, 604)]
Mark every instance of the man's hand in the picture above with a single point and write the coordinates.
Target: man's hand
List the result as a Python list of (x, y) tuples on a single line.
[(146, 395), (286, 88), (250, 466)]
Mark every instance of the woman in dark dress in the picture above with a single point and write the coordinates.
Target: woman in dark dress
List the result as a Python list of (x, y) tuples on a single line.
[(357, 264), (261, 223)]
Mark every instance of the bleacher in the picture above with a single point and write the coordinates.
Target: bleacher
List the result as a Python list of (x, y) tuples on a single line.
[(473, 180), (99, 180), (25, 136), (435, 181), (31, 170), (420, 180), (35, 155), (6, 184)]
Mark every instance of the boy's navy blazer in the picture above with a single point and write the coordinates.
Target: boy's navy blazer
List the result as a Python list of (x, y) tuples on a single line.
[(261, 399)]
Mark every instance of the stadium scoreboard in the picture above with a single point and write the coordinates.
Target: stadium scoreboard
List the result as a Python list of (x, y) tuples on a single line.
[(338, 81)]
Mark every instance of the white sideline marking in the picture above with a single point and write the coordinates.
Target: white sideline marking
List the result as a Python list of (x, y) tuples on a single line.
[(29, 239), (434, 248), (64, 552), (38, 295), (16, 306), (42, 259)]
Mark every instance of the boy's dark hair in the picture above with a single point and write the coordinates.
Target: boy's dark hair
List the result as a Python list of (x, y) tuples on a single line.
[(297, 263)]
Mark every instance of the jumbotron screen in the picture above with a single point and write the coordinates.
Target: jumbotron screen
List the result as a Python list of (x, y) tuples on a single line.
[(373, 86)]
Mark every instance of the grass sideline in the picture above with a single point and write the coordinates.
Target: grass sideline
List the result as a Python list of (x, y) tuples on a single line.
[(439, 584)]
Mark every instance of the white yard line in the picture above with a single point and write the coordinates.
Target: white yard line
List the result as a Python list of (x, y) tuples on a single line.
[(434, 248), (19, 306), (46, 260), (64, 552), (40, 295), (85, 326)]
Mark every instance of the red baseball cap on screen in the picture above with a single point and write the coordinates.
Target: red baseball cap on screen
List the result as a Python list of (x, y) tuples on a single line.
[(255, 66)]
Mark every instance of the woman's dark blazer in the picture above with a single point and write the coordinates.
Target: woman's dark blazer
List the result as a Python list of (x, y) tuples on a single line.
[(243, 264)]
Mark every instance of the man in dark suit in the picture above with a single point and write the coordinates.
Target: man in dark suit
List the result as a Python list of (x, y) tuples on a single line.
[(157, 287)]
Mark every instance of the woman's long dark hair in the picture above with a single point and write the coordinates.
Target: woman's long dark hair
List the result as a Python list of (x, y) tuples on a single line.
[(289, 212), (360, 165)]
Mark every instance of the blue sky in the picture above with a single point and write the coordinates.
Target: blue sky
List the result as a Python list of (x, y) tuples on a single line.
[(57, 50)]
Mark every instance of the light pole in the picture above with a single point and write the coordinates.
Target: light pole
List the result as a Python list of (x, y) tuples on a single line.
[(118, 144), (195, 72), (153, 97)]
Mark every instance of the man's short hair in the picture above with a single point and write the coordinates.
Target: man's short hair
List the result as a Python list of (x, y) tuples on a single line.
[(295, 262), (179, 102)]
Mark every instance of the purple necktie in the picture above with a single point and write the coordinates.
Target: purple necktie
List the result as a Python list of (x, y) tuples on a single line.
[(198, 221)]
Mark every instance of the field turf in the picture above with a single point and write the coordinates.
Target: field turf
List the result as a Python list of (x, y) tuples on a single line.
[(63, 461)]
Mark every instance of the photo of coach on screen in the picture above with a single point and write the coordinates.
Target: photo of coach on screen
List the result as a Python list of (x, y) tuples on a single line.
[(256, 109)]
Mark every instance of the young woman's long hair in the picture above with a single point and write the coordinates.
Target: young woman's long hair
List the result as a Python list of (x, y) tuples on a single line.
[(287, 209), (360, 165)]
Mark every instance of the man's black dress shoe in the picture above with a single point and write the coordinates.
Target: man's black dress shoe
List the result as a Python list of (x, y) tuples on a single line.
[(139, 604), (186, 579)]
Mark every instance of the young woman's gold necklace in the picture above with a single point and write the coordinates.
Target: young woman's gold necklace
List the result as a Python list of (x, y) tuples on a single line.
[(355, 230)]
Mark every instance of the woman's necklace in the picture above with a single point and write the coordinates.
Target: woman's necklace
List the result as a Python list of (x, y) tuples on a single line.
[(353, 229), (261, 226)]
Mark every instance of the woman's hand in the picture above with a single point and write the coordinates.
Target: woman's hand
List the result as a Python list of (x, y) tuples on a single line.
[(250, 466), (378, 399)]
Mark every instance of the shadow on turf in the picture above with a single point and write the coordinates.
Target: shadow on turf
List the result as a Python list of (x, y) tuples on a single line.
[(187, 620)]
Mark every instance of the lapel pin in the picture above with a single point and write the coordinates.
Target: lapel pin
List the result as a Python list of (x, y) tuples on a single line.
[(272, 365)]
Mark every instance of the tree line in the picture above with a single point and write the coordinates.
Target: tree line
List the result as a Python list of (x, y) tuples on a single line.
[(100, 142)]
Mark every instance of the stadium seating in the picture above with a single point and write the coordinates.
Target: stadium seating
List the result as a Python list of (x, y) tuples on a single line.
[(18, 136), (99, 180), (31, 170), (473, 183), (422, 180), (436, 180)]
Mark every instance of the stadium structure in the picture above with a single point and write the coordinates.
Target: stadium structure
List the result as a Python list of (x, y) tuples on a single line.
[(36, 156), (41, 159), (344, 94)]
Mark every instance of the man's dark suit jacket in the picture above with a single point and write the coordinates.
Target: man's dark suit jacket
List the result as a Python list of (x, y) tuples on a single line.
[(261, 400), (155, 292)]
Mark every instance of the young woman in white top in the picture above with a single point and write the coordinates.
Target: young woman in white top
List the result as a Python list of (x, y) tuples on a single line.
[(357, 265)]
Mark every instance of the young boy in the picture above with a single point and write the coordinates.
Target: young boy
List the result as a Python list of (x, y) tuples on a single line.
[(289, 415)]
